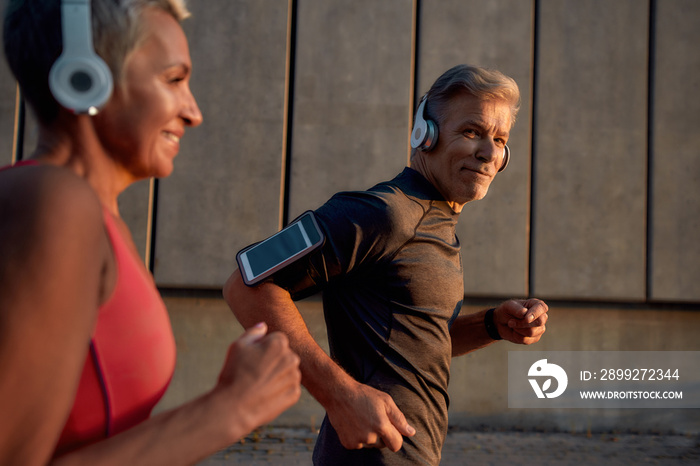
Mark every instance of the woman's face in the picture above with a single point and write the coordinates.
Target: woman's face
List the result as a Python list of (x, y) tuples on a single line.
[(144, 120)]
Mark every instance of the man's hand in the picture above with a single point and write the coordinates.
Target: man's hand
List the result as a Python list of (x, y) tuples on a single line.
[(362, 416), (365, 417), (521, 321)]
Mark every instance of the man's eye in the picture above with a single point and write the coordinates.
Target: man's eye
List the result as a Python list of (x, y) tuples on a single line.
[(470, 133)]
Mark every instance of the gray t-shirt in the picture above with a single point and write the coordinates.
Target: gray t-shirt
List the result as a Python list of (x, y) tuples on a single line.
[(391, 275)]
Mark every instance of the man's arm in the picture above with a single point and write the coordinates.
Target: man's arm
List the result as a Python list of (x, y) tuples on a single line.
[(518, 321), (361, 415)]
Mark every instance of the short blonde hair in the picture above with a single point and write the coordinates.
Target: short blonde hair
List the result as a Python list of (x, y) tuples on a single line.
[(118, 26)]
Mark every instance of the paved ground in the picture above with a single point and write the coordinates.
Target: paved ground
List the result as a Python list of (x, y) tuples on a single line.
[(291, 447)]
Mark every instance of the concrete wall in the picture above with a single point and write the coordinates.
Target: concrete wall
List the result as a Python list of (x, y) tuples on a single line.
[(590, 135), (598, 211), (204, 327)]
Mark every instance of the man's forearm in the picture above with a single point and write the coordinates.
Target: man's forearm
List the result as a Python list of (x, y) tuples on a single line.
[(273, 305), (517, 321), (469, 333), (361, 415)]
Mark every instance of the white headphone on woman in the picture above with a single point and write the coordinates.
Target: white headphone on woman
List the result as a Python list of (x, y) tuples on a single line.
[(79, 79)]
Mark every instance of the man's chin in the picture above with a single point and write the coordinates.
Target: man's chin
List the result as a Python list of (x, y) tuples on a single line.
[(478, 194)]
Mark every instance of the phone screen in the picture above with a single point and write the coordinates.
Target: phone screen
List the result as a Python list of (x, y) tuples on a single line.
[(265, 258)]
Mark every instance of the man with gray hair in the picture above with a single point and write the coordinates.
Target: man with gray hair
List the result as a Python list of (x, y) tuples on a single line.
[(391, 275)]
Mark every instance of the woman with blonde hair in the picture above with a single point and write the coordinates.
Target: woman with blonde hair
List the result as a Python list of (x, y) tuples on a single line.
[(86, 347)]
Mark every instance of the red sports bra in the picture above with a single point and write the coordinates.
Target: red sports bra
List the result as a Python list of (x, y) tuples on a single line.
[(131, 358)]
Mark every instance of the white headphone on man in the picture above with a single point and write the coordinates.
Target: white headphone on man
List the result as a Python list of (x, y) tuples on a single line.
[(425, 134), (79, 79)]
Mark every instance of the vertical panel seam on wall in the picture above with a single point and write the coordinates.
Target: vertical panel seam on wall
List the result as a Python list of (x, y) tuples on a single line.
[(150, 252), (651, 57), (413, 70), (533, 146), (287, 124), (18, 134)]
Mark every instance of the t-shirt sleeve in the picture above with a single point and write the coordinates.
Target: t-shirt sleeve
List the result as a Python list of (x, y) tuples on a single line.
[(360, 228)]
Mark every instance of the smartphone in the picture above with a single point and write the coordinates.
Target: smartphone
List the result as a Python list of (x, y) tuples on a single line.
[(260, 260)]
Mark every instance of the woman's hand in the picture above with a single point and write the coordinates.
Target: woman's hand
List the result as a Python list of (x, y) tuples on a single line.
[(260, 379)]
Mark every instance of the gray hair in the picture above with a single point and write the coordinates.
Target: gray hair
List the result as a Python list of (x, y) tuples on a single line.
[(118, 26), (482, 83), (33, 41)]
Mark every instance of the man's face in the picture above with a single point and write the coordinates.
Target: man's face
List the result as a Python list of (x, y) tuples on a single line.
[(470, 148)]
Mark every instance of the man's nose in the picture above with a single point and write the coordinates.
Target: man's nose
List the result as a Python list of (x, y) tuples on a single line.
[(488, 151)]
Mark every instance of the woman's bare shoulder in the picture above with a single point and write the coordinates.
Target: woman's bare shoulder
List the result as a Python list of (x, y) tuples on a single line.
[(46, 214), (36, 200)]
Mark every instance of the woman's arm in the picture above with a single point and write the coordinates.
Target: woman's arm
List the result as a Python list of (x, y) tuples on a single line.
[(260, 380), (54, 260), (56, 268)]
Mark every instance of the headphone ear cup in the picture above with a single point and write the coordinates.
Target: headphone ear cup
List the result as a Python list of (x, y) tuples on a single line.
[(506, 159), (431, 136), (79, 80), (420, 129), (81, 83), (425, 132)]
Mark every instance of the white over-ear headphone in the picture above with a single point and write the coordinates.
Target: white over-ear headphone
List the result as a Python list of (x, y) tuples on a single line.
[(425, 134), (79, 79), (506, 158)]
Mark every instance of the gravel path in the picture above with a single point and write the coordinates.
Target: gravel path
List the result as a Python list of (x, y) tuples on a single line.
[(291, 447)]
